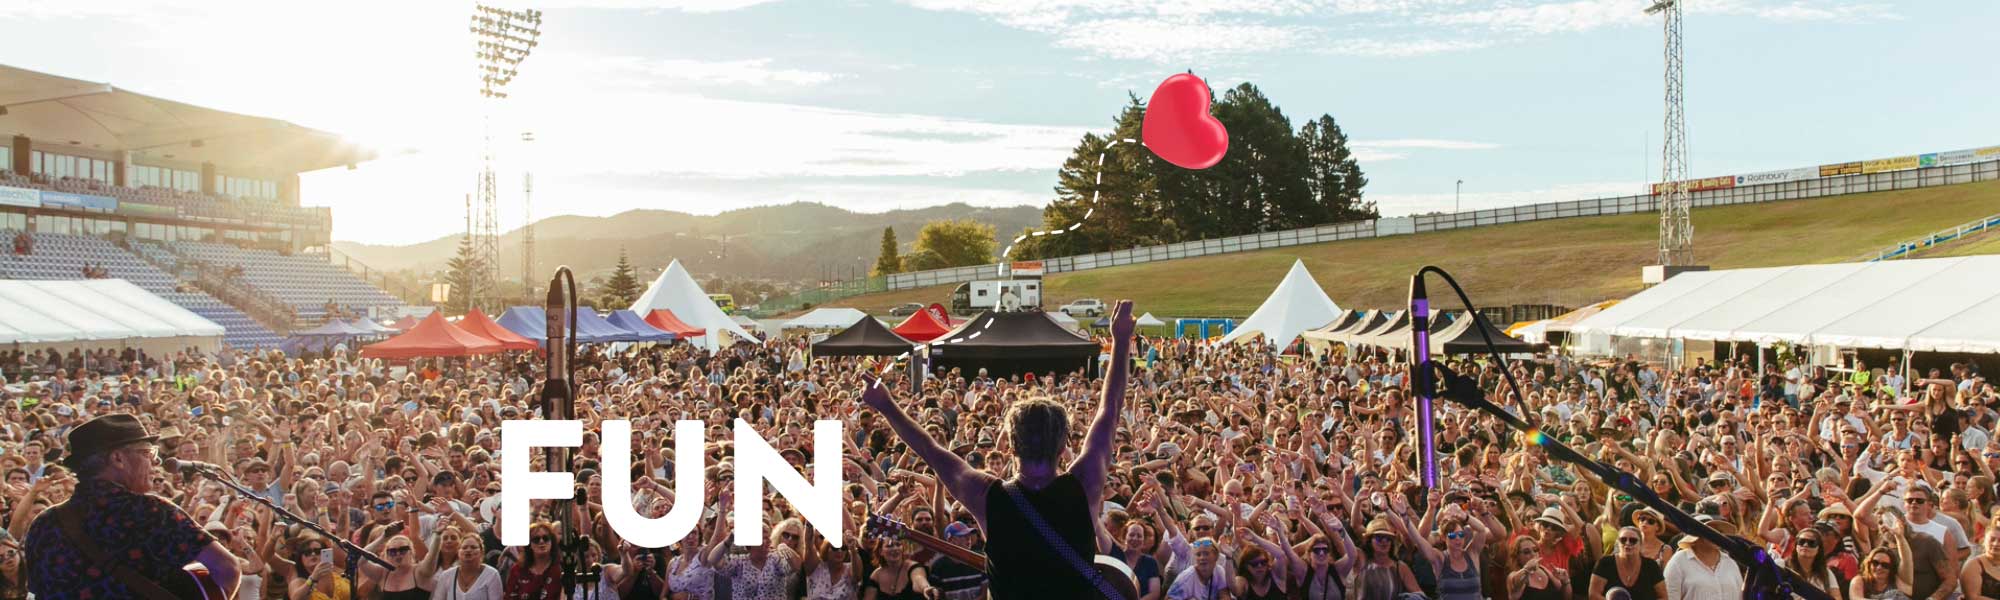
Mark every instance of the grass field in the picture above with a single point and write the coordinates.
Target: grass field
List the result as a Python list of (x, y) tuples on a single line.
[(1568, 262)]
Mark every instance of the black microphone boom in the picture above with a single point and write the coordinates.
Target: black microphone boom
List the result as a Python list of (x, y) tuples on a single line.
[(189, 467)]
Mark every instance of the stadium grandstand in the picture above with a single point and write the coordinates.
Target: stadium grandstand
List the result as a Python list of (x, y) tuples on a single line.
[(195, 205)]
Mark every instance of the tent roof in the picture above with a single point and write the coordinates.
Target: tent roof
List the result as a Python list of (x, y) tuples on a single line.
[(1024, 334), (369, 326), (1334, 332), (921, 327), (866, 337), (477, 323), (92, 309), (1917, 304), (1148, 320), (630, 321), (1298, 304), (105, 118), (404, 324), (664, 320), (675, 290), (526, 321), (332, 328), (827, 318), (431, 337), (1066, 321), (1564, 321), (591, 328), (1396, 334), (1463, 337)]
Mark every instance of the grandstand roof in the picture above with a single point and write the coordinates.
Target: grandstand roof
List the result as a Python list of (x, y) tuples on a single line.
[(57, 110)]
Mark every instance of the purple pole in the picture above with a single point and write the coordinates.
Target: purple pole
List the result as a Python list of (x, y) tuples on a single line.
[(1420, 350)]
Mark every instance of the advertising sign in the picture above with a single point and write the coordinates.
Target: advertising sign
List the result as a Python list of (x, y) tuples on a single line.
[(78, 201), (1700, 185), (1776, 176), (1032, 268), (1889, 164), (13, 196), (938, 312), (1838, 169)]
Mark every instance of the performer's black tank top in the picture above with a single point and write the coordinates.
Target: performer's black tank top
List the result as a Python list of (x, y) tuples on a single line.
[(1022, 565)]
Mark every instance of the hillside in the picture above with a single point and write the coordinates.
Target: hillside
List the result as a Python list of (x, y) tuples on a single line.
[(791, 241), (1567, 262)]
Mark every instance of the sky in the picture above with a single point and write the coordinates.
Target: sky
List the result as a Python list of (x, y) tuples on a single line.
[(704, 106)]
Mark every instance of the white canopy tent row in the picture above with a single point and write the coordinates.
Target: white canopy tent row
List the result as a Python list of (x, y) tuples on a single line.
[(1296, 306), (827, 318), (1920, 305), (675, 290), (97, 313)]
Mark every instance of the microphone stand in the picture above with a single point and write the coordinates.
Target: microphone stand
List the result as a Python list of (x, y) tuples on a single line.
[(354, 552), (1766, 578), (558, 402)]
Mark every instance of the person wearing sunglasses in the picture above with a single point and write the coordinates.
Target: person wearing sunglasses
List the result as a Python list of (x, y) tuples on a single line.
[(13, 580), (1884, 576), (1457, 567), (402, 583), (1205, 579), (1629, 569), (537, 576), (1810, 556)]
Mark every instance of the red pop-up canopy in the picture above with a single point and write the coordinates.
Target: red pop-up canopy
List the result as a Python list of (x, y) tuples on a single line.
[(477, 323), (921, 327), (666, 321), (430, 338), (404, 324)]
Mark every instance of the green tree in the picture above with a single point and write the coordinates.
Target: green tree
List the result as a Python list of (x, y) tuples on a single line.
[(957, 243), (465, 272), (888, 263), (1333, 177), (623, 286)]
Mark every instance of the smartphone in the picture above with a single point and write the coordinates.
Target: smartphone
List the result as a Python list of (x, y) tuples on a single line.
[(326, 556)]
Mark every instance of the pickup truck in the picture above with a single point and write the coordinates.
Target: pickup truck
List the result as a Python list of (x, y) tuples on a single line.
[(1087, 307)]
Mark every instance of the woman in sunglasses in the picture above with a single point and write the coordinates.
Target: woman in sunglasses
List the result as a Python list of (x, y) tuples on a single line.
[(1628, 568), (1886, 575), (13, 581), (1810, 555), (537, 576), (1457, 568), (1980, 578), (402, 583)]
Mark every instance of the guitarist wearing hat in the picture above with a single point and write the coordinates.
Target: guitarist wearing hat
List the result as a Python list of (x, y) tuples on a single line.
[(1040, 526), (113, 539)]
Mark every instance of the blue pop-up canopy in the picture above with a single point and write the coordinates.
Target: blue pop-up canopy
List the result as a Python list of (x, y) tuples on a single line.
[(593, 329), (631, 321), (526, 321)]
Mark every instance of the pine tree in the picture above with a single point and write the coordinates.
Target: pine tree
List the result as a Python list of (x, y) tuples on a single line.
[(1333, 177), (464, 273), (888, 263), (623, 287)]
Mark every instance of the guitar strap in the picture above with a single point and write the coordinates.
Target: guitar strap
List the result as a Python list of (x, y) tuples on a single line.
[(70, 518), (1061, 546)]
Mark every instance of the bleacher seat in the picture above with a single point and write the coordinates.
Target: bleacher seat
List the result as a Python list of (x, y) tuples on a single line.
[(305, 282)]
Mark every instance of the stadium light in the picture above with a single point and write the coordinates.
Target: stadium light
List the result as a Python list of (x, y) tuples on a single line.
[(503, 38)]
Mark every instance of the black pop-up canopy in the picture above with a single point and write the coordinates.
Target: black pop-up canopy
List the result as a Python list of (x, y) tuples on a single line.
[(1010, 343), (866, 337)]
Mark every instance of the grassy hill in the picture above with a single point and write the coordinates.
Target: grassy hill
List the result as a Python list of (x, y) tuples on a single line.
[(1567, 262), (783, 242)]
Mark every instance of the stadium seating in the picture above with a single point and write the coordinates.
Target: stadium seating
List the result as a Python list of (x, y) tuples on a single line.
[(59, 257), (305, 282)]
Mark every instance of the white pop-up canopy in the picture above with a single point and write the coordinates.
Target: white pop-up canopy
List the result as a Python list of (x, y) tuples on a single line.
[(675, 290), (36, 312), (1297, 305), (1930, 305), (827, 318)]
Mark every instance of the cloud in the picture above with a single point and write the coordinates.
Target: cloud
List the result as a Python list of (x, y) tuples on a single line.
[(1386, 150), (1586, 15), (693, 6), (669, 73), (1177, 39)]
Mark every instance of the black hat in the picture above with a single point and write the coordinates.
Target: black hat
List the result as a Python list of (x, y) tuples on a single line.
[(104, 434)]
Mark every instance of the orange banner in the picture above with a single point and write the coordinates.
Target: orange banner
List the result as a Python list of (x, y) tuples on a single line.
[(1701, 185)]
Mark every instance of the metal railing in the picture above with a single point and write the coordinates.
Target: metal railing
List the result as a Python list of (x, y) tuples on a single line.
[(375, 277), (1638, 203), (1936, 238)]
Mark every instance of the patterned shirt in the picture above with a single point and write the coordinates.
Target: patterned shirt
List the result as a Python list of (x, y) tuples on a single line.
[(152, 536)]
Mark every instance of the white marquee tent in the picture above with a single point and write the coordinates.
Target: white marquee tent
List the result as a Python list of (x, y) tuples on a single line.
[(95, 310), (1297, 305), (827, 318), (675, 290), (1926, 305)]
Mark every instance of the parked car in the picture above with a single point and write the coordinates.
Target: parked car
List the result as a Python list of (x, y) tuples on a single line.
[(906, 309), (1087, 307)]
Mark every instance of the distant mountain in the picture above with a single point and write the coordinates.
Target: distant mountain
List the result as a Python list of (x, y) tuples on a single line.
[(799, 241)]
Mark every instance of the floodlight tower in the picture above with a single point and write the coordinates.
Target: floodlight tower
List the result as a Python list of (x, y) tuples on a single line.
[(1676, 222), (527, 221), (504, 38)]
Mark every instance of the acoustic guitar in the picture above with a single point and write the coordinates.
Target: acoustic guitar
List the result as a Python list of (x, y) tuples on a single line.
[(1111, 569), (198, 585)]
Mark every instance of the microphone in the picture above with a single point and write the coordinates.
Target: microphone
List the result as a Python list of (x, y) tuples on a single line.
[(189, 467), (1426, 388), (555, 381)]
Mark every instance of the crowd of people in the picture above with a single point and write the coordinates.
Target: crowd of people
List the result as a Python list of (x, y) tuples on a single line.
[(1225, 472)]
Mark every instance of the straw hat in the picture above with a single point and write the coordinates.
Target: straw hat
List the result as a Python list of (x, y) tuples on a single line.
[(1379, 526)]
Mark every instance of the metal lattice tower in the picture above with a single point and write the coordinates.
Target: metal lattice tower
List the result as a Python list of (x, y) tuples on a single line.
[(504, 38), (1676, 222), (528, 224)]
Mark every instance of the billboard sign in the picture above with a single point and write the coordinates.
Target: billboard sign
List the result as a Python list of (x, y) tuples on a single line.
[(79, 201), (1776, 176), (1028, 268), (146, 210), (1838, 169), (1889, 164), (13, 196), (1701, 185)]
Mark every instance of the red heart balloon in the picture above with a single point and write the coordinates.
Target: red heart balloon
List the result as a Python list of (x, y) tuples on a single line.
[(1178, 127)]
